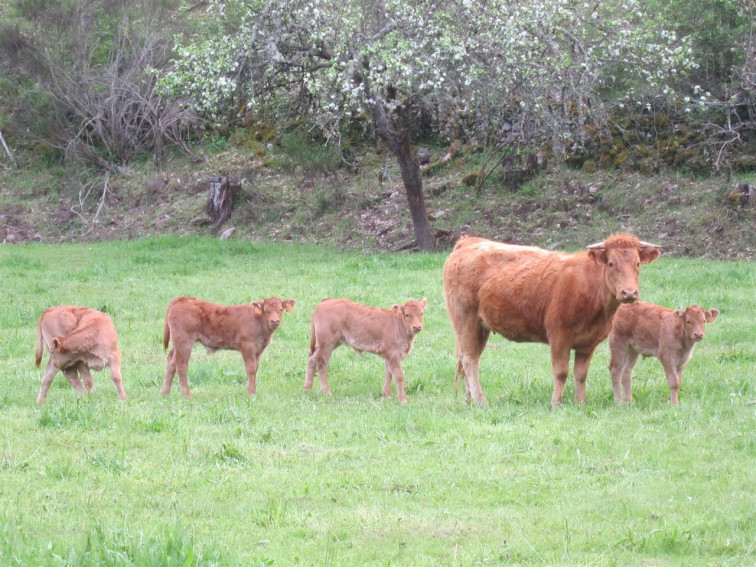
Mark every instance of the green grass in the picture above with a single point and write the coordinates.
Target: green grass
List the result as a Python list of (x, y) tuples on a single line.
[(294, 478)]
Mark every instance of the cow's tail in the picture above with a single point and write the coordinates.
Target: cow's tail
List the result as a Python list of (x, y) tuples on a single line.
[(312, 336), (166, 334), (40, 342)]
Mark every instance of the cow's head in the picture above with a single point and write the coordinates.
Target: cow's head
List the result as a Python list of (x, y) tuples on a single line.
[(271, 310), (694, 319), (622, 256), (411, 314)]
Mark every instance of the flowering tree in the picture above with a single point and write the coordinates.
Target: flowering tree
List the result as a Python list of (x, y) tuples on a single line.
[(493, 71)]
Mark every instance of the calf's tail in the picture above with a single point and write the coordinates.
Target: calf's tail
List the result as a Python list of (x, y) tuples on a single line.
[(166, 334), (40, 340), (312, 336)]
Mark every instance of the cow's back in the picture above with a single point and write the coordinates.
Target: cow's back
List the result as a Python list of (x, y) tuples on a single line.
[(508, 287)]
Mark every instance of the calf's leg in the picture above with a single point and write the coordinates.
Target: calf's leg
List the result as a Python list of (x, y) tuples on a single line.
[(115, 376), (394, 367), (72, 374), (631, 358), (86, 375), (673, 380), (319, 359), (50, 372), (251, 362), (170, 371), (181, 360)]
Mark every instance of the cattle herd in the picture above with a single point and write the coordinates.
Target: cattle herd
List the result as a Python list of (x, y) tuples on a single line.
[(571, 302)]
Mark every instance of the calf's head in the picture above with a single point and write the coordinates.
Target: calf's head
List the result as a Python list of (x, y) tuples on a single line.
[(694, 319), (622, 256), (271, 310), (411, 314)]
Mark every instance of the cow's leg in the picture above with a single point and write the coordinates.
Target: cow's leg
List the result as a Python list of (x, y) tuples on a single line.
[(86, 375), (673, 379), (470, 344), (115, 376), (72, 374), (170, 371), (580, 369), (251, 362), (560, 368), (50, 372), (394, 367)]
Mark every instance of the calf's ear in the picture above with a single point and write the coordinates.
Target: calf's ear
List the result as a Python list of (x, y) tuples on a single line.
[(56, 344), (397, 309), (680, 313), (288, 305), (711, 314), (424, 302), (258, 307)]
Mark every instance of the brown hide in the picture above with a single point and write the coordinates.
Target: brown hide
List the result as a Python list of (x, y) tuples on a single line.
[(651, 330), (389, 333), (247, 328), (78, 339), (528, 294)]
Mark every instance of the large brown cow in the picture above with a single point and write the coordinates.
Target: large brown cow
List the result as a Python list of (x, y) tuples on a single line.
[(78, 339), (247, 328), (527, 294), (651, 330), (389, 333)]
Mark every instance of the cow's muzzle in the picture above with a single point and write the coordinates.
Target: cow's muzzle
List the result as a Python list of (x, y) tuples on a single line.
[(628, 295)]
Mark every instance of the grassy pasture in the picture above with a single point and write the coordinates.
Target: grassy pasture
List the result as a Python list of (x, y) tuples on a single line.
[(295, 478)]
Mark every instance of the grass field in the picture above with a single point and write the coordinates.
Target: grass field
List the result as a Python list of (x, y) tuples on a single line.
[(294, 478)]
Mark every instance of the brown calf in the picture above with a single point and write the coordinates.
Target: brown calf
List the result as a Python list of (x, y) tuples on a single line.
[(247, 328), (528, 294), (389, 333), (669, 335), (78, 339)]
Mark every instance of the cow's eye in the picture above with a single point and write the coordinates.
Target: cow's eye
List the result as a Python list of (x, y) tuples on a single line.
[(611, 264)]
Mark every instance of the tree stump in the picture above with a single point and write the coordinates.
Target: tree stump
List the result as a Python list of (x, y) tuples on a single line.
[(220, 203)]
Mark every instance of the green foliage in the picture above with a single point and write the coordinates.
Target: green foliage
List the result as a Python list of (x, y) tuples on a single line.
[(311, 152), (294, 477)]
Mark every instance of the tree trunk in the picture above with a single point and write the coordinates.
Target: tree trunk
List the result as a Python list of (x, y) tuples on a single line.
[(401, 146)]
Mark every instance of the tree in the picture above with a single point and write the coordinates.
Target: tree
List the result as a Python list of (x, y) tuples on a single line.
[(496, 72), (91, 63)]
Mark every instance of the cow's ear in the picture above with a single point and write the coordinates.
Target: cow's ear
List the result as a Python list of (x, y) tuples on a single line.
[(288, 305), (56, 344), (397, 309), (424, 302), (598, 255), (680, 313), (258, 307), (711, 314), (649, 254)]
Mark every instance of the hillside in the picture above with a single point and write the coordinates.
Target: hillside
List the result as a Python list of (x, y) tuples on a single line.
[(281, 199)]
